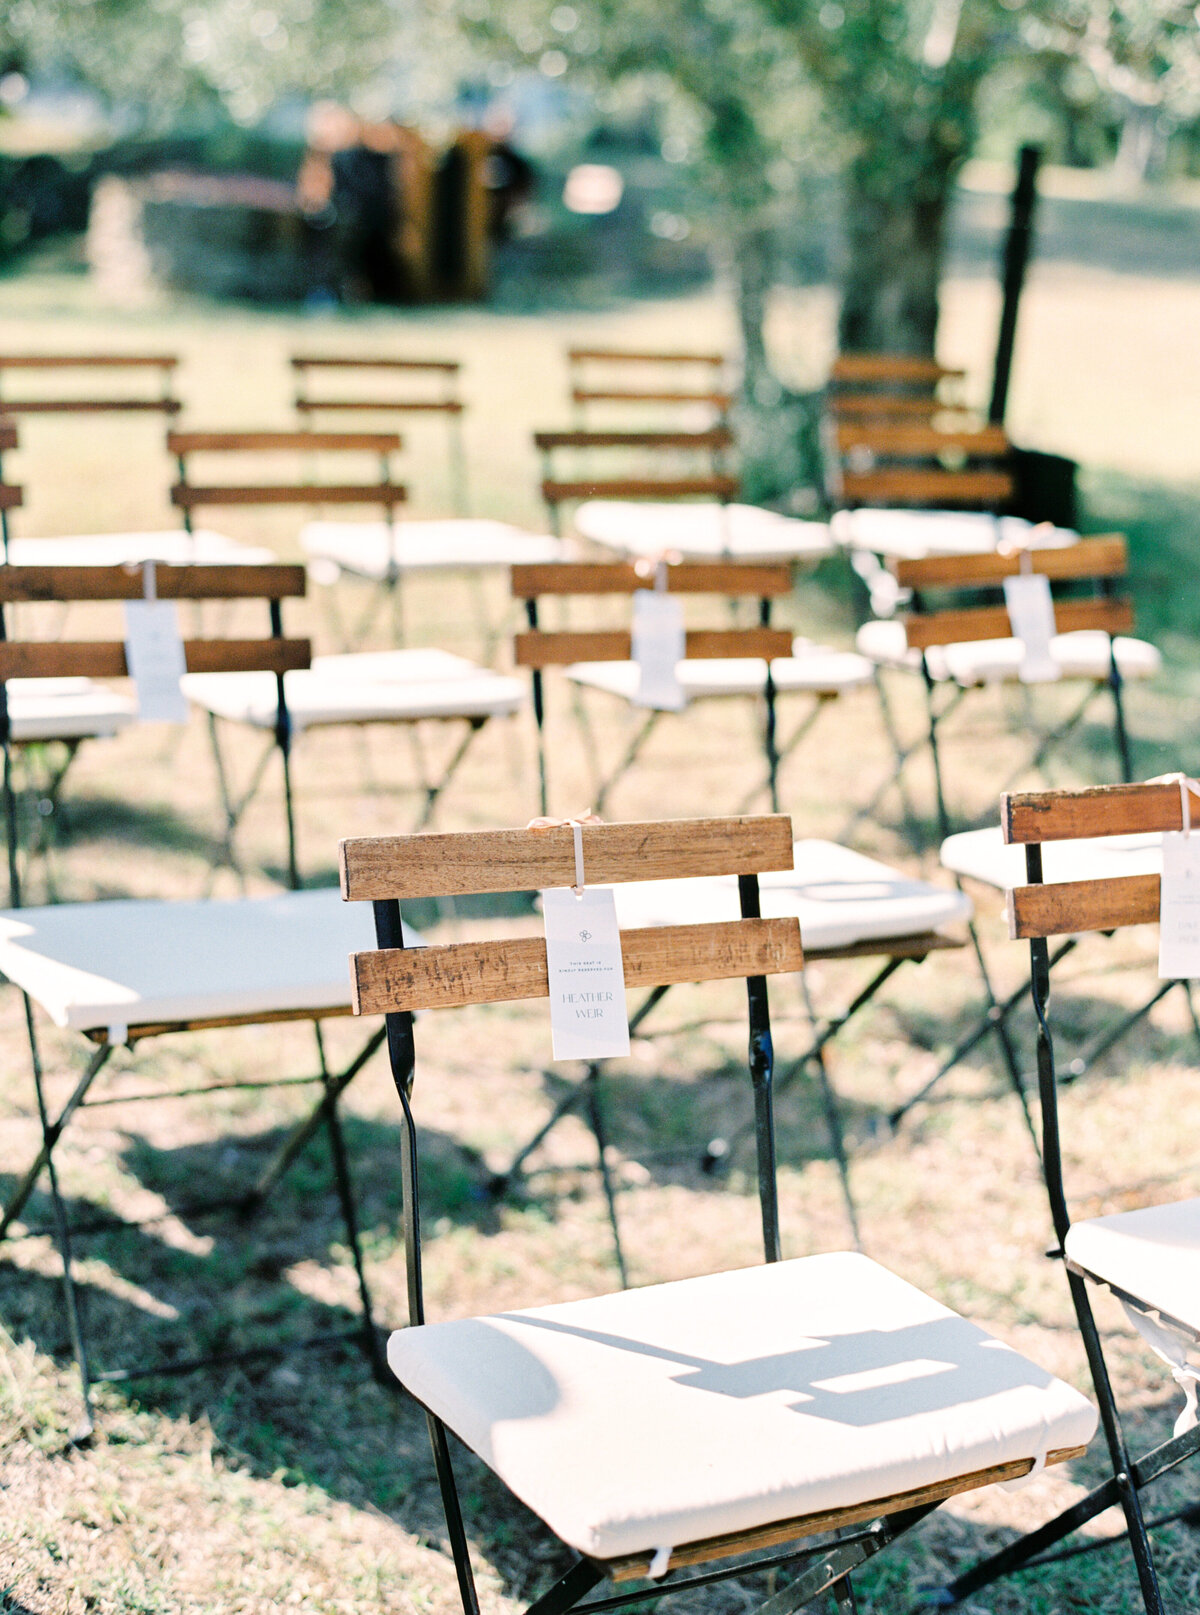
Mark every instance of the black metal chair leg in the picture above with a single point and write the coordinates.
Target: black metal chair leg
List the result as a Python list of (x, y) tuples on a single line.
[(454, 1520), (833, 1119)]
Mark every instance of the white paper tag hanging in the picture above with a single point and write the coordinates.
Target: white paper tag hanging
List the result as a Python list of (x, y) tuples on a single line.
[(1179, 908), (659, 645), (588, 1015), (1031, 617), (154, 654)]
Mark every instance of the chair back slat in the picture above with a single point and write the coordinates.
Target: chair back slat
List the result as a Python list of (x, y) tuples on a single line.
[(447, 367), (536, 649), (88, 361), (8, 433), (385, 406), (91, 406), (256, 442), (1062, 908), (714, 361), (378, 868), (186, 496), (718, 437), (1101, 557), (105, 659), (1110, 616), (709, 487), (720, 401), (892, 367), (1100, 810), (503, 972), (67, 584), (10, 497), (918, 485), (620, 577), (915, 440), (896, 408)]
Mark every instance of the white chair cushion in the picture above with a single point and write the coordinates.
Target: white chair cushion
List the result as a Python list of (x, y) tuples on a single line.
[(812, 669), (660, 1416), (134, 961), (370, 550), (701, 532), (1152, 1255), (201, 547), (839, 897), (367, 687), (66, 709), (983, 856), (1084, 654), (910, 534)]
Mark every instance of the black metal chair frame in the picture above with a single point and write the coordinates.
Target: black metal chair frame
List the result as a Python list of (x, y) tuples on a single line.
[(1130, 1476), (53, 1123), (823, 1568)]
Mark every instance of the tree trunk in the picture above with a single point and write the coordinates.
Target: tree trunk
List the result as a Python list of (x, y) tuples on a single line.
[(895, 236)]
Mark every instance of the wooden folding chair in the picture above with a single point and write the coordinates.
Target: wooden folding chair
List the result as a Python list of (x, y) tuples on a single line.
[(1149, 1258), (163, 402), (119, 972), (442, 400), (958, 649), (662, 468), (408, 687), (721, 663), (787, 1410), (687, 382)]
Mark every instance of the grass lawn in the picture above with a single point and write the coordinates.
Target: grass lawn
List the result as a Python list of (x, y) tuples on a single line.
[(304, 1485)]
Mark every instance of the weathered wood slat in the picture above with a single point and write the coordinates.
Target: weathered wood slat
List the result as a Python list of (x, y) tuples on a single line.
[(306, 361), (10, 497), (105, 659), (719, 437), (890, 367), (984, 442), (411, 406), (71, 583), (555, 493), (701, 645), (8, 432), (89, 406), (1098, 810), (234, 442), (643, 395), (731, 578), (918, 486), (991, 622), (1063, 906), (502, 972), (893, 406), (83, 361), (637, 1566), (439, 864), (189, 497), (1104, 556), (636, 356)]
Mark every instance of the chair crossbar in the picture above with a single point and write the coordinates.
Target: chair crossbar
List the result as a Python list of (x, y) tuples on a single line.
[(642, 356), (514, 969), (362, 406), (1061, 907), (892, 367), (625, 395), (1110, 616), (448, 367), (653, 488), (727, 578), (90, 406), (917, 440), (106, 658), (257, 442), (917, 485), (88, 361), (375, 868), (1102, 810), (717, 437), (1104, 556), (67, 584), (188, 496), (535, 649)]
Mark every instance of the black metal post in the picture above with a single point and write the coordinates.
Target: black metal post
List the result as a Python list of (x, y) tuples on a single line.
[(1016, 261), (762, 1070)]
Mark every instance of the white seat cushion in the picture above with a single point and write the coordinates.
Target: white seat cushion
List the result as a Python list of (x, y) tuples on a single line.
[(367, 687), (839, 897), (1084, 654), (134, 961), (201, 547), (1152, 1255), (910, 534), (983, 856), (371, 550), (812, 669), (66, 709), (656, 1417), (701, 532)]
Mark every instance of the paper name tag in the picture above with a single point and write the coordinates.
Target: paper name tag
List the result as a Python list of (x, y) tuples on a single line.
[(1179, 907), (154, 654), (659, 645), (1031, 617), (588, 1016)]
